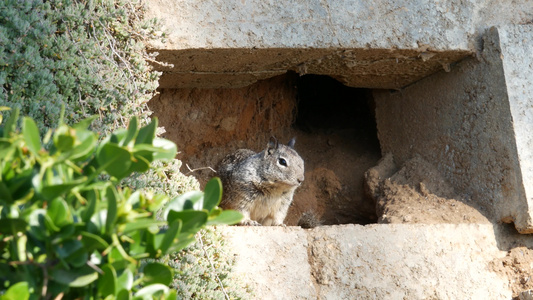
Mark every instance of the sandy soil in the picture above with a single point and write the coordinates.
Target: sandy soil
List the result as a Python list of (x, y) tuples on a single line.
[(416, 193), (517, 265)]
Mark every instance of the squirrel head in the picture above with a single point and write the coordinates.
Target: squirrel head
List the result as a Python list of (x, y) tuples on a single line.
[(282, 164)]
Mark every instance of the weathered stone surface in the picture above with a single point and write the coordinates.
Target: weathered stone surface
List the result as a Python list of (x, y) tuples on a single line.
[(273, 260), (386, 44), (394, 261), (404, 24), (468, 123), (516, 46)]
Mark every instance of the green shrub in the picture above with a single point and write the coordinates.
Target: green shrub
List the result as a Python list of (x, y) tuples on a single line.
[(202, 270), (90, 56), (86, 55), (65, 233)]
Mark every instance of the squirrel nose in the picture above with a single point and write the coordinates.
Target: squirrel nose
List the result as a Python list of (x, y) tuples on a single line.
[(300, 180)]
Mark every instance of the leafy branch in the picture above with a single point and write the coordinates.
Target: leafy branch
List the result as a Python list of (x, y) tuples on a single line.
[(65, 233)]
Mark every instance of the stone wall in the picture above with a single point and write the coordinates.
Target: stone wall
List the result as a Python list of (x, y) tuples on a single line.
[(393, 261), (461, 101), (462, 121)]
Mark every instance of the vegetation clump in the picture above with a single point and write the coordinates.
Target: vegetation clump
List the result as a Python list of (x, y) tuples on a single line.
[(65, 233), (86, 55), (89, 57), (203, 270)]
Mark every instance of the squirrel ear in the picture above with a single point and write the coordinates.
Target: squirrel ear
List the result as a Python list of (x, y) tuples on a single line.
[(272, 145), (292, 142)]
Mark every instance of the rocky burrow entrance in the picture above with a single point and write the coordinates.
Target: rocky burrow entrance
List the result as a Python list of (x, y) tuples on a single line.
[(335, 128), (333, 124)]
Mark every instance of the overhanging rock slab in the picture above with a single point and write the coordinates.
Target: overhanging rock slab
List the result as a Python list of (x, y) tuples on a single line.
[(384, 44), (231, 68), (362, 44), (394, 261)]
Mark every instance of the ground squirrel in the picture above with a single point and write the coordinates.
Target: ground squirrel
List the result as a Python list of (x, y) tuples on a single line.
[(261, 185)]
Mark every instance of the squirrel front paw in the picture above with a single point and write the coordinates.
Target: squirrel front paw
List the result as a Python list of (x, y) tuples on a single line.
[(249, 222)]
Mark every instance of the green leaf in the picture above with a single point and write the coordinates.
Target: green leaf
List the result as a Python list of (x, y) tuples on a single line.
[(111, 195), (2, 108), (5, 194), (87, 213), (115, 255), (78, 259), (62, 114), (85, 123), (139, 164), (125, 295), (125, 281), (192, 220), (59, 212), (226, 217), (132, 132), (31, 135), (138, 247), (63, 138), (117, 137), (7, 150), (107, 282), (18, 291), (50, 224), (170, 236), (66, 232), (56, 190), (144, 150), (134, 199), (147, 133), (74, 278), (98, 220), (212, 193), (183, 242), (37, 224), (157, 201), (144, 223), (189, 200), (87, 141), (92, 241), (11, 123), (115, 159), (148, 291), (64, 142), (12, 226), (166, 149), (157, 273), (171, 295), (73, 252)]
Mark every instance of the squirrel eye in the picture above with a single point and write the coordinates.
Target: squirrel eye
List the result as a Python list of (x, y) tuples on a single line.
[(282, 162)]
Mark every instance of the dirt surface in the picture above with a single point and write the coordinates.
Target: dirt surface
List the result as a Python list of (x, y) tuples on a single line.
[(416, 193), (518, 267)]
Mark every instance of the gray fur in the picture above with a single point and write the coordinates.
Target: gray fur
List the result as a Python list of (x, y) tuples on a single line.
[(258, 184)]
